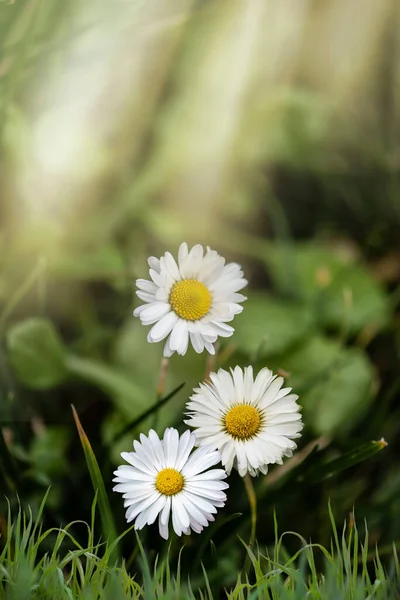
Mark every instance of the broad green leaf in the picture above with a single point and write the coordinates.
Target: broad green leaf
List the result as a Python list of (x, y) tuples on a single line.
[(37, 353), (349, 459), (342, 294), (334, 383), (98, 484), (268, 326)]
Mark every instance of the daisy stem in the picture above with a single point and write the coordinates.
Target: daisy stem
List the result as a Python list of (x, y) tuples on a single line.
[(248, 484), (162, 378), (211, 362)]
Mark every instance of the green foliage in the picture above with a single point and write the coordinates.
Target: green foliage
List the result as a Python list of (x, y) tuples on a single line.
[(342, 293), (70, 570), (335, 383), (269, 326)]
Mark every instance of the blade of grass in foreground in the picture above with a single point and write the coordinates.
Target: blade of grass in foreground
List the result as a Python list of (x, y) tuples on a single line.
[(98, 485)]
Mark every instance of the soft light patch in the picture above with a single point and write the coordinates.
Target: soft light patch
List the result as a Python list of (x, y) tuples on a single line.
[(190, 299), (169, 482), (242, 421)]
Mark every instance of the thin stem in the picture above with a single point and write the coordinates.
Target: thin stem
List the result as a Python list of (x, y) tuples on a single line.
[(162, 378), (211, 362), (248, 484), (161, 386)]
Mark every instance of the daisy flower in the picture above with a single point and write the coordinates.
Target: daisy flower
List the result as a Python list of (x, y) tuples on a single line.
[(164, 479), (252, 422), (191, 299)]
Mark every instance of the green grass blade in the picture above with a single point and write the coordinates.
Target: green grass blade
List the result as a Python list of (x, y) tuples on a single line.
[(146, 414), (355, 456), (98, 485)]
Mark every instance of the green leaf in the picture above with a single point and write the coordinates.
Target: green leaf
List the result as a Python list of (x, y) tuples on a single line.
[(334, 383), (98, 484), (37, 353), (359, 454), (342, 293), (268, 326)]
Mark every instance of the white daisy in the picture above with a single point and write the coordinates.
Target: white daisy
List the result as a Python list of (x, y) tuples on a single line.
[(163, 479), (251, 422), (191, 299)]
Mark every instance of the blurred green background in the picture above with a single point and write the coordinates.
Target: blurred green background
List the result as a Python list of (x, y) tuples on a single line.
[(267, 130)]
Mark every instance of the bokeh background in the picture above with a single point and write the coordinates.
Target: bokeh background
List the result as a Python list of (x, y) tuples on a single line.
[(267, 130)]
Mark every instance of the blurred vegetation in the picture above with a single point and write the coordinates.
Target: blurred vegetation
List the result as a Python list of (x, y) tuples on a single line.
[(88, 572), (269, 131)]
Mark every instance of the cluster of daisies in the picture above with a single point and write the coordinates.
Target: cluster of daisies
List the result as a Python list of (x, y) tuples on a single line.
[(239, 420)]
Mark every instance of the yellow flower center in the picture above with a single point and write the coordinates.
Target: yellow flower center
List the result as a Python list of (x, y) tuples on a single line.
[(242, 421), (190, 299), (169, 482)]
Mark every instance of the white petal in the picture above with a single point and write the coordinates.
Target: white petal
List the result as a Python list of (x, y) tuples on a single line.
[(164, 516), (201, 459), (157, 449), (179, 337), (156, 508), (171, 266), (146, 286), (179, 508), (163, 529), (154, 263), (201, 503), (194, 512), (154, 311), (167, 352), (183, 253), (171, 444), (158, 278), (186, 444), (209, 347), (164, 326), (197, 342), (145, 296)]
